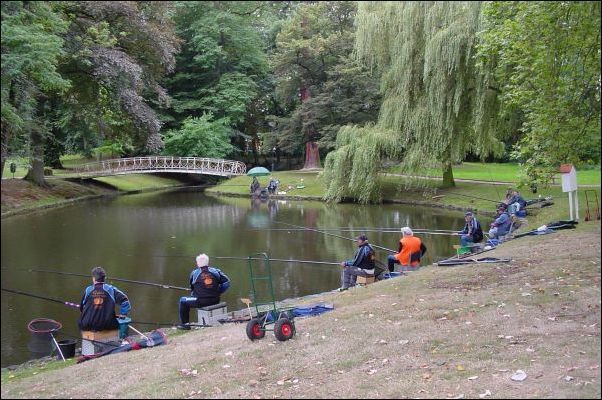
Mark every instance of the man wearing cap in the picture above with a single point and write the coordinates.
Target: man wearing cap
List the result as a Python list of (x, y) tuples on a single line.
[(98, 304), (501, 226), (361, 265), (411, 250), (207, 284), (472, 232)]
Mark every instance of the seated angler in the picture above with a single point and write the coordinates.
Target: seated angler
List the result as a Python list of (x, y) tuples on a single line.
[(516, 203), (501, 226), (98, 304), (411, 250), (207, 284), (363, 264), (472, 232)]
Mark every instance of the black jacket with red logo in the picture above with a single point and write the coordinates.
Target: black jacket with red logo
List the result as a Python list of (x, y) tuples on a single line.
[(98, 307), (208, 283)]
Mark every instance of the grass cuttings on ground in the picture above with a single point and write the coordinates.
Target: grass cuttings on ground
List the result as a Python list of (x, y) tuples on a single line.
[(436, 333)]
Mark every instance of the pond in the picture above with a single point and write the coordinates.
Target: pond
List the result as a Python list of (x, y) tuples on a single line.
[(155, 237)]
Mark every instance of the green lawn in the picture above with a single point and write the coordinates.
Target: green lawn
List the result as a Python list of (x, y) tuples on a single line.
[(290, 181), (501, 172), (481, 197), (505, 172), (132, 182)]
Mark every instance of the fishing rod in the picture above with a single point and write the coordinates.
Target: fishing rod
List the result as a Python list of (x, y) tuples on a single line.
[(75, 305), (425, 232), (48, 271), (474, 197), (332, 234), (66, 303), (278, 260), (359, 229), (287, 260)]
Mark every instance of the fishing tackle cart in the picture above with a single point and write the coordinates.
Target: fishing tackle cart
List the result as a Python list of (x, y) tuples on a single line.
[(268, 317)]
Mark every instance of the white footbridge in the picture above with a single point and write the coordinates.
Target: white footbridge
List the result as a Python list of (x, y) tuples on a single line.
[(163, 164)]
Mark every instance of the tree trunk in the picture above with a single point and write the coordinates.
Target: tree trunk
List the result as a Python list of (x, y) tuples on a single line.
[(312, 154), (448, 176), (4, 151), (36, 172)]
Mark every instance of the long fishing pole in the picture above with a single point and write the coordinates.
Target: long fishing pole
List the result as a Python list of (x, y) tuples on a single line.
[(66, 303), (75, 305), (359, 229), (332, 234), (48, 271), (286, 260), (452, 233), (474, 197), (279, 260)]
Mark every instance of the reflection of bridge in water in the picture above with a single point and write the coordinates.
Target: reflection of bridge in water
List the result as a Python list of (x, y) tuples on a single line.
[(179, 165)]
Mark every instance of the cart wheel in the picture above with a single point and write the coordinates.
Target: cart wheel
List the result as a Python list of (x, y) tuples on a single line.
[(254, 330), (284, 329)]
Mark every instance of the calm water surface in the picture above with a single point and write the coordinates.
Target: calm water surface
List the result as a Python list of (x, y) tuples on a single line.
[(155, 237)]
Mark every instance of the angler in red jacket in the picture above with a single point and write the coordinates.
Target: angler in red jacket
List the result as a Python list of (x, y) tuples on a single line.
[(411, 250)]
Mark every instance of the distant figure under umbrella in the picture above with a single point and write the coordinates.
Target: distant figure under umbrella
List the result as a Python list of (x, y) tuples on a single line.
[(255, 187)]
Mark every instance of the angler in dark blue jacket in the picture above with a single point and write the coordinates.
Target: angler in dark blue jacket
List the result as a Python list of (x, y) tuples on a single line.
[(472, 232), (362, 264), (98, 304), (207, 284)]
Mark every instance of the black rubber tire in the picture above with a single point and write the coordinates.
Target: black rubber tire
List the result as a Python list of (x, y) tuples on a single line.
[(284, 329), (254, 331)]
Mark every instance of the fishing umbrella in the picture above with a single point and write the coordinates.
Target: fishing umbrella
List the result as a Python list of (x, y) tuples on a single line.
[(258, 171)]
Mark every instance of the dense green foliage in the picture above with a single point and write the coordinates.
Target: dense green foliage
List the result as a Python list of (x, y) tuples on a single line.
[(222, 65), (32, 45), (437, 104), (546, 60), (319, 86), (110, 56), (364, 86), (200, 137)]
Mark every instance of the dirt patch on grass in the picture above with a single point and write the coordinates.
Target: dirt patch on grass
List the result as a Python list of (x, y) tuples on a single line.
[(435, 333)]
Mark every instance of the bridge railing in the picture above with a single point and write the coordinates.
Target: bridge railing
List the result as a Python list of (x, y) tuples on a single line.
[(212, 166)]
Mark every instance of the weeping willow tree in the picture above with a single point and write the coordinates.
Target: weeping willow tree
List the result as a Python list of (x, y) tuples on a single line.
[(438, 104)]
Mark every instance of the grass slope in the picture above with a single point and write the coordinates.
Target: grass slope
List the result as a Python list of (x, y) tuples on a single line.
[(435, 333)]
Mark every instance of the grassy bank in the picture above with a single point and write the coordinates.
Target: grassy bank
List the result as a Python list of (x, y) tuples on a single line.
[(506, 172), (479, 197), (435, 333), (21, 196)]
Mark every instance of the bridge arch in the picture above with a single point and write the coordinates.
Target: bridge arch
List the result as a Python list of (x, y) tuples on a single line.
[(180, 165)]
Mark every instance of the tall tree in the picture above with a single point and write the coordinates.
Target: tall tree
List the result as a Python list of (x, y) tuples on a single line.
[(221, 64), (546, 56), (318, 85), (31, 49), (437, 104), (119, 51)]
